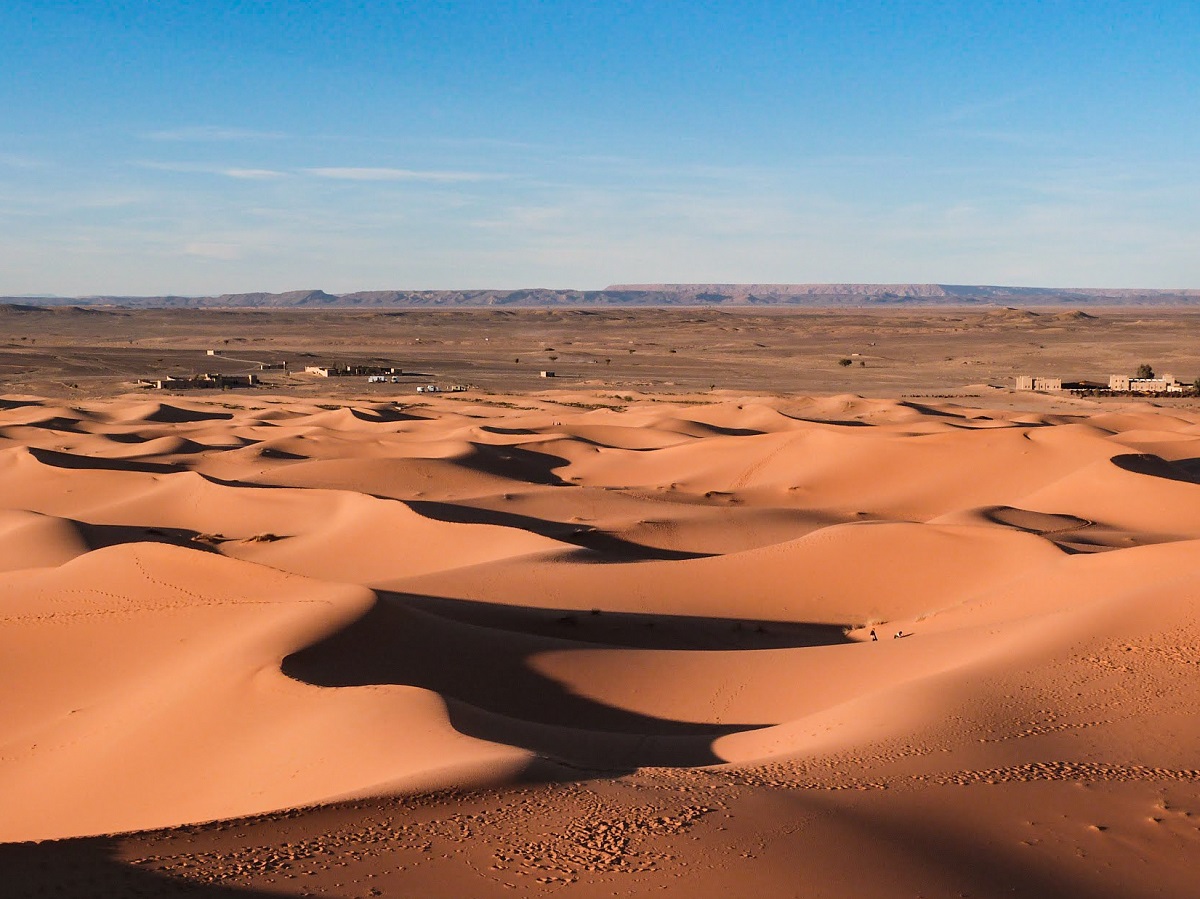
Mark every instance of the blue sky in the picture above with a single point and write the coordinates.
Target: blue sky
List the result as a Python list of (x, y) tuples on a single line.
[(190, 148)]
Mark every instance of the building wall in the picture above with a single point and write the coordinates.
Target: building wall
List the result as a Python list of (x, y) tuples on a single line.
[(1165, 384), (1028, 382)]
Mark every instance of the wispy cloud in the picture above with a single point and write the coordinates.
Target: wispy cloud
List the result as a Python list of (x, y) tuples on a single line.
[(389, 174), (192, 168), (981, 108), (186, 167), (253, 174), (337, 173), (212, 133)]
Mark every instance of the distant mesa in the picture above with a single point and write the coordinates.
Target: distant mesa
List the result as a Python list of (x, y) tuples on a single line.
[(33, 305), (657, 295)]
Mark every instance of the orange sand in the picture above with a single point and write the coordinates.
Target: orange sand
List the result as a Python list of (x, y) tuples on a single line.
[(213, 610)]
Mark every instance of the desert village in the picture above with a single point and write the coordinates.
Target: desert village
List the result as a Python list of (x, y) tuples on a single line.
[(1117, 384), (1142, 383), (375, 374)]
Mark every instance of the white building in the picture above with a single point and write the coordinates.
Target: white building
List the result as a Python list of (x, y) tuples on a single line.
[(1029, 382), (1164, 384)]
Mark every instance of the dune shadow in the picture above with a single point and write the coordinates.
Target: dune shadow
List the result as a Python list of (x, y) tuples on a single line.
[(90, 867), (184, 447), (482, 659), (55, 423), (59, 459), (273, 452), (168, 414), (1039, 523), (98, 536), (606, 546), (515, 463), (131, 438), (837, 422), (1189, 466), (8, 405), (929, 410), (383, 416), (722, 431), (1072, 534), (1184, 470), (631, 630), (508, 432)]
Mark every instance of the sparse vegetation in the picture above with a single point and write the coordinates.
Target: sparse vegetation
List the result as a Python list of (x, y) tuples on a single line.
[(844, 363), (1144, 371), (589, 406)]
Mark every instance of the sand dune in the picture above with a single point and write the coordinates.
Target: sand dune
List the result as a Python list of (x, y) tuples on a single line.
[(32, 540), (220, 610), (161, 697)]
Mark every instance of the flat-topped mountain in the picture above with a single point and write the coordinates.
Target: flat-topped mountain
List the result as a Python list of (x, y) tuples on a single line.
[(912, 294), (810, 295)]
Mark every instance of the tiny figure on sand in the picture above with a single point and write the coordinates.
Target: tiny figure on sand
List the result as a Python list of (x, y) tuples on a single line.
[(874, 636)]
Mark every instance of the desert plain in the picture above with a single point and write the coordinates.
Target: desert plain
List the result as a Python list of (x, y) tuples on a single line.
[(708, 613)]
